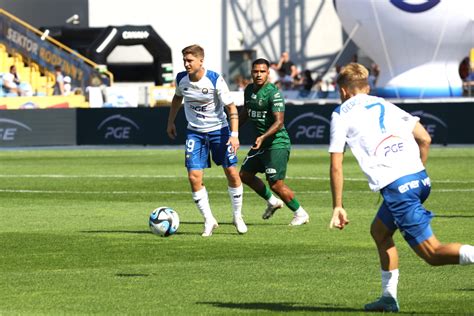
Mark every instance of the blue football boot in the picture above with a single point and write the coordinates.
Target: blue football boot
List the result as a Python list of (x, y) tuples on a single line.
[(383, 304)]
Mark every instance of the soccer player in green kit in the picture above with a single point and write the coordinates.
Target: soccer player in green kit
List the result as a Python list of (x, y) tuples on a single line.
[(265, 107)]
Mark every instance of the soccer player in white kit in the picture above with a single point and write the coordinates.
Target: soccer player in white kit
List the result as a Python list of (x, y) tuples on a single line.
[(205, 95), (391, 147)]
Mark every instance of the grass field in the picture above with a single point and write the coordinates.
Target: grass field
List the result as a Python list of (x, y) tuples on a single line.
[(75, 240)]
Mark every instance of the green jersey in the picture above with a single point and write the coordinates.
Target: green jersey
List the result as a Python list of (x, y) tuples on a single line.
[(260, 107)]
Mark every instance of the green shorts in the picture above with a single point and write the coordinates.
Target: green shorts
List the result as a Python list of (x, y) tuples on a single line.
[(272, 162)]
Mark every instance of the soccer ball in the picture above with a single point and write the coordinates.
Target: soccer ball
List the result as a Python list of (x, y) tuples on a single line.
[(164, 221)]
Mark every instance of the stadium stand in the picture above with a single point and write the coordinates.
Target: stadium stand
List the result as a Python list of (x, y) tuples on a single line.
[(35, 54), (40, 80)]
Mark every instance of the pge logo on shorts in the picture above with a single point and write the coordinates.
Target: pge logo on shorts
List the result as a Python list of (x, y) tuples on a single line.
[(9, 129), (409, 6), (118, 127)]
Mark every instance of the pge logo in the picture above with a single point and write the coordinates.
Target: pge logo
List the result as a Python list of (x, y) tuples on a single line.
[(409, 6), (118, 127), (309, 128), (435, 126), (9, 129), (390, 146)]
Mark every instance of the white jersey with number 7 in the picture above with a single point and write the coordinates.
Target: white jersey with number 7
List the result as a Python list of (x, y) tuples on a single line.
[(380, 136)]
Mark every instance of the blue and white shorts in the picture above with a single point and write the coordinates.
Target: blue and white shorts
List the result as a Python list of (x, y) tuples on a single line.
[(199, 146), (402, 207)]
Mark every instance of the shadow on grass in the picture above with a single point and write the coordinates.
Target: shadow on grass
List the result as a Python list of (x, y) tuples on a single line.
[(248, 224), (455, 216), (131, 275), (281, 307), (232, 224), (147, 232), (294, 307), (116, 231)]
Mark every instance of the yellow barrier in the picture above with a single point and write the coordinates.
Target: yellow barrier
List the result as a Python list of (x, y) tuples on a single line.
[(161, 95), (55, 102)]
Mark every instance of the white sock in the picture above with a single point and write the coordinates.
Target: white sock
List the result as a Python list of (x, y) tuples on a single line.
[(390, 283), (202, 202), (466, 254), (300, 211), (272, 200), (236, 198)]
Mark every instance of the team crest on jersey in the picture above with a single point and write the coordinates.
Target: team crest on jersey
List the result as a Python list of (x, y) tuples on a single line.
[(205, 91)]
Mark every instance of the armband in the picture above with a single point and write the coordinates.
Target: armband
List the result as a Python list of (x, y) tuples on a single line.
[(234, 134)]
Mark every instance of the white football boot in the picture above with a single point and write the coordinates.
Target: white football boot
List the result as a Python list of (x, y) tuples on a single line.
[(209, 226), (240, 225), (271, 209), (300, 218)]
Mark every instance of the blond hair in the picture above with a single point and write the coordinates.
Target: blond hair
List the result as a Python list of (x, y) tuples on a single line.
[(353, 76), (195, 50)]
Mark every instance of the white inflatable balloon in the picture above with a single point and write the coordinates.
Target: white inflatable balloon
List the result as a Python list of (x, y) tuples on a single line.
[(418, 44)]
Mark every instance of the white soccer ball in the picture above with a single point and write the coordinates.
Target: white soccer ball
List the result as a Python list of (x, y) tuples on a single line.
[(164, 221)]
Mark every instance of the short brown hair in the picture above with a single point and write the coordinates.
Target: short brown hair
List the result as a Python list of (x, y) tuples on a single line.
[(353, 76), (195, 50)]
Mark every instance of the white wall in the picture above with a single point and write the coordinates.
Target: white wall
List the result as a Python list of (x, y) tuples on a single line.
[(311, 32)]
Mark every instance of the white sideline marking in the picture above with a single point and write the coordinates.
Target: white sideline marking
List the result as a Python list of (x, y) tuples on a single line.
[(187, 192), (65, 176), (184, 176)]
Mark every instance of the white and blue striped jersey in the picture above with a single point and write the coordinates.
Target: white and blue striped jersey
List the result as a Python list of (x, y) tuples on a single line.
[(380, 136), (204, 101)]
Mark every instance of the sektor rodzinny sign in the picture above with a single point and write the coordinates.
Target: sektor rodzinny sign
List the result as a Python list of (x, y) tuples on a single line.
[(44, 53)]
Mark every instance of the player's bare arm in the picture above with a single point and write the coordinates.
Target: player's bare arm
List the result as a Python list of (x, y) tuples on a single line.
[(339, 216), (234, 126), (176, 104), (273, 129), (423, 140)]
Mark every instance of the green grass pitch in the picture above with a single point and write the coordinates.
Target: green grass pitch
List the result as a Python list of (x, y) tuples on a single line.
[(75, 240)]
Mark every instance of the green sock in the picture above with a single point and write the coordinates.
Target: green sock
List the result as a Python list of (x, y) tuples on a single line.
[(294, 205), (266, 193)]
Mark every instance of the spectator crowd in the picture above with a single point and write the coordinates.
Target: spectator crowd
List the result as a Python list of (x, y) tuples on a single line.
[(284, 73), (12, 85), (289, 77)]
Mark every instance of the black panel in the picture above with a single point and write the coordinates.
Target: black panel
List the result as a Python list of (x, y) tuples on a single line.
[(37, 127), (447, 123)]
